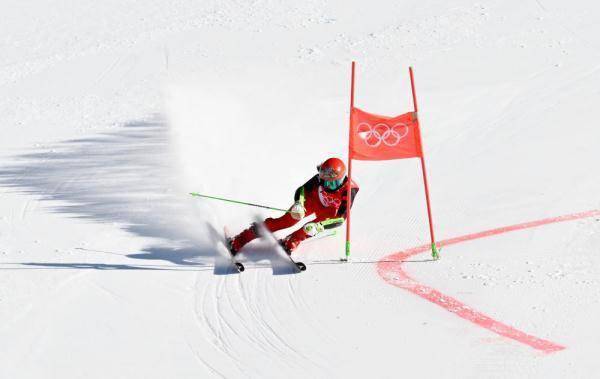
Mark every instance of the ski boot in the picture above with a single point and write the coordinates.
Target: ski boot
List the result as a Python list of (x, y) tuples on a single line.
[(231, 247), (288, 244), (236, 243)]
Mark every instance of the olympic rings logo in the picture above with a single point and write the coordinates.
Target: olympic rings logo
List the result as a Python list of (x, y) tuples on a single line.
[(373, 136)]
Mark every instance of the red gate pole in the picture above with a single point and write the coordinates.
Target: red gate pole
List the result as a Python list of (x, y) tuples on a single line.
[(434, 250), (349, 191)]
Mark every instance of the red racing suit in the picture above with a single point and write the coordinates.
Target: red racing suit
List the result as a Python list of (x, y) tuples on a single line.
[(323, 203)]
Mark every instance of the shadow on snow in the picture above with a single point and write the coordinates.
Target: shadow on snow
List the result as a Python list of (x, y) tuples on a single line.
[(124, 178)]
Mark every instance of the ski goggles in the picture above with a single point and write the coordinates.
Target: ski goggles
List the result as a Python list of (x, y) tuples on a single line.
[(332, 184)]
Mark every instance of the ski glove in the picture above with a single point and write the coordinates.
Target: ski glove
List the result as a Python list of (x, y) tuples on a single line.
[(297, 211), (313, 228)]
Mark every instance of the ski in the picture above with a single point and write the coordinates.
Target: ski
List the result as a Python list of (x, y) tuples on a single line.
[(300, 265), (265, 233), (238, 266)]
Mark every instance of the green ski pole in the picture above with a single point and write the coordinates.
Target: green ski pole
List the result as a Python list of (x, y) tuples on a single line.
[(237, 202)]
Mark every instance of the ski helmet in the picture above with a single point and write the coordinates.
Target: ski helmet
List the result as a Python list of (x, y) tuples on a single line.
[(332, 169)]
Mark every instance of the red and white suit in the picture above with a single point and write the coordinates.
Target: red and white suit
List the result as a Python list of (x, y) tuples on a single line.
[(325, 204)]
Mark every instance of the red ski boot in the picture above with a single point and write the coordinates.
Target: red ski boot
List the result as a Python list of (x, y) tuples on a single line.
[(237, 243)]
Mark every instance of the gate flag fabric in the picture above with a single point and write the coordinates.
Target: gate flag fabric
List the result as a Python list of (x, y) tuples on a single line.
[(378, 138)]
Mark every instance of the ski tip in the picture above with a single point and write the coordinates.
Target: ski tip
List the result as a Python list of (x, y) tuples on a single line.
[(301, 266)]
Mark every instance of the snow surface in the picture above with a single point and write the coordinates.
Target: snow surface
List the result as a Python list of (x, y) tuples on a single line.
[(112, 111)]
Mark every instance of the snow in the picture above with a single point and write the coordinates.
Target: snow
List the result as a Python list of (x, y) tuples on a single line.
[(112, 112)]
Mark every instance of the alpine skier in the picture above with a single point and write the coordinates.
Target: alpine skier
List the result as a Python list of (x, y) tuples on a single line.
[(324, 195)]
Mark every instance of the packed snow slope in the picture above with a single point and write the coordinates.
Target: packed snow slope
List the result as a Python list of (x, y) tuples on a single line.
[(112, 111)]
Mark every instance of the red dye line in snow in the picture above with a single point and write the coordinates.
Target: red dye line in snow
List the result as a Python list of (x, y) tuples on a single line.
[(393, 273)]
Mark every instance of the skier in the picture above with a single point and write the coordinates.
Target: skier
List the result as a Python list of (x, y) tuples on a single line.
[(324, 195)]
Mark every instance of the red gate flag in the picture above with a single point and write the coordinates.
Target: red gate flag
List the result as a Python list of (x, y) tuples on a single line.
[(379, 138)]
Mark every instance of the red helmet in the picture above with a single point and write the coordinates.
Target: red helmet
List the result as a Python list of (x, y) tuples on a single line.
[(332, 169)]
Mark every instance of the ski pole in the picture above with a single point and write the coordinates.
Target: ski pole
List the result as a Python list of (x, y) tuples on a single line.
[(237, 202)]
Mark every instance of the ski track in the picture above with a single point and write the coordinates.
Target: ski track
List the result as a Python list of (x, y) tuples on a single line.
[(391, 271), (25, 209), (218, 331), (287, 346), (263, 340), (202, 319), (277, 344), (265, 336), (220, 320), (214, 327), (300, 305), (246, 301), (197, 354)]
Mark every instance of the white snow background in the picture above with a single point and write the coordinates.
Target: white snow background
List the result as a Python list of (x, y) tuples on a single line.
[(112, 112)]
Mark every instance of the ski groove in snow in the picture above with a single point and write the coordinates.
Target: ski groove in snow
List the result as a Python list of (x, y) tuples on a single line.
[(245, 302), (197, 355), (213, 336)]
